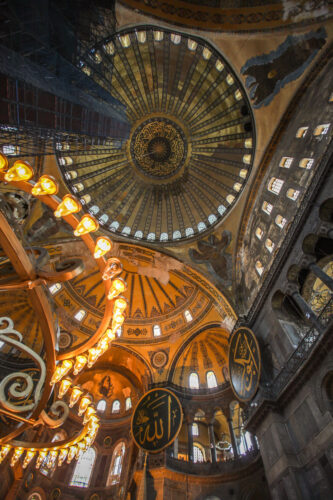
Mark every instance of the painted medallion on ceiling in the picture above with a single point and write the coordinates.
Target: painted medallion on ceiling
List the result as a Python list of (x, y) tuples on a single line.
[(191, 144)]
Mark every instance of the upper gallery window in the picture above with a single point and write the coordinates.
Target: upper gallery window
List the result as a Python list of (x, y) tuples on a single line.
[(83, 469), (280, 221), (301, 132), (116, 406), (259, 267), (275, 185), (267, 207), (128, 403), (321, 129), (197, 454), (116, 464), (259, 233), (194, 381), (306, 163), (269, 245), (286, 162), (211, 380), (195, 429), (292, 194)]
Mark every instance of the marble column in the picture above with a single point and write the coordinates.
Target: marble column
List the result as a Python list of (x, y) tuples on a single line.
[(212, 441), (175, 448), (233, 438), (189, 440)]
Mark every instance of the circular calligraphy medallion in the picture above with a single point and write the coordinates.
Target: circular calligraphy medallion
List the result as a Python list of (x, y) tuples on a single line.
[(244, 363), (159, 359), (158, 148), (157, 420)]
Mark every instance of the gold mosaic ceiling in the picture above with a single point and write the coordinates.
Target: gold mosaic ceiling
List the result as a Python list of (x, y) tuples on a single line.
[(191, 144)]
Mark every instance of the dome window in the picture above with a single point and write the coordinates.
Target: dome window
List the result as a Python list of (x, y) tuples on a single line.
[(275, 185), (259, 233), (248, 143), (292, 194), (176, 39), (176, 235), (247, 159), (55, 288), (189, 231), (188, 316), (103, 219), (101, 406), (306, 163), (259, 267), (219, 65), (321, 129), (230, 198), (237, 186), (94, 210), (269, 245), (191, 44), (243, 173), (280, 221), (157, 330), (267, 208), (139, 235), (141, 36), (301, 132), (116, 406), (201, 226), (211, 380), (80, 315), (158, 36), (212, 218), (221, 209), (230, 80), (151, 237), (125, 41), (128, 403), (109, 48), (164, 237), (126, 230), (286, 162), (206, 54), (114, 226), (193, 381)]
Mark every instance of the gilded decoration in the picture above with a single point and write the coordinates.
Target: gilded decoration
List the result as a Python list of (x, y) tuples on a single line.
[(158, 148)]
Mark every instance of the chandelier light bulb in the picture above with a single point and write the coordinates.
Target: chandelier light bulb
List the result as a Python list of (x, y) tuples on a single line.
[(20, 171), (112, 269), (16, 455), (64, 386), (84, 403), (62, 456), (110, 334), (4, 452), (69, 205), (87, 224), (120, 305), (88, 414), (41, 457), (117, 321), (28, 457), (3, 162), (80, 362), (118, 286), (61, 371), (75, 396), (52, 459), (103, 246), (80, 450), (92, 356), (71, 453), (46, 185)]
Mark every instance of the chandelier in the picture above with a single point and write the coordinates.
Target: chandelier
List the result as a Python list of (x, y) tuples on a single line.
[(22, 399)]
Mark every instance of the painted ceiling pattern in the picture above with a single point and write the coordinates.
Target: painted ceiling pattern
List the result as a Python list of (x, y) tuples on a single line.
[(191, 144)]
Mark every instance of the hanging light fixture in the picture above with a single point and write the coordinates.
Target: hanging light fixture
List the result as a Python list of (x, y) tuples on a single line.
[(20, 171), (80, 362), (69, 205), (75, 396), (87, 224), (118, 286), (64, 386), (46, 185), (3, 162), (85, 401), (103, 246)]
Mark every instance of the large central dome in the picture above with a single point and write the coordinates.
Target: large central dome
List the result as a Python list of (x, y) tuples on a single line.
[(191, 144)]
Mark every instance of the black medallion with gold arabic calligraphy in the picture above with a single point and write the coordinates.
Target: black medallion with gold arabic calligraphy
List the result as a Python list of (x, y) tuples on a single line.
[(244, 363), (156, 420)]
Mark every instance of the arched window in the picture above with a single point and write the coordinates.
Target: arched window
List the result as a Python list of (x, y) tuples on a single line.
[(195, 429), (157, 331), (103, 219), (306, 163), (198, 455), (101, 405), (191, 44), (35, 496), (194, 381), (286, 162), (321, 129), (116, 464), (259, 233), (267, 207), (55, 288), (206, 53), (176, 39), (151, 237), (201, 226), (292, 194), (301, 132), (230, 198), (176, 235), (83, 469), (164, 237), (221, 209), (116, 406), (139, 235), (269, 245), (80, 315), (94, 209), (280, 221), (188, 316), (189, 231), (259, 267), (126, 230), (125, 41), (211, 380), (275, 185), (237, 186), (128, 403), (10, 149)]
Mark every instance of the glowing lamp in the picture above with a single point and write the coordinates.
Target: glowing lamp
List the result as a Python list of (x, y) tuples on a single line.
[(3, 162), (110, 334), (118, 286), (93, 355), (69, 205), (88, 414), (71, 453), (52, 458), (84, 403), (61, 371), (87, 224), (103, 345), (80, 362), (89, 441), (75, 396), (41, 457), (62, 456), (28, 457), (103, 246), (112, 269), (117, 321), (4, 452), (64, 386), (20, 171), (80, 450), (45, 185), (120, 305), (16, 455)]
